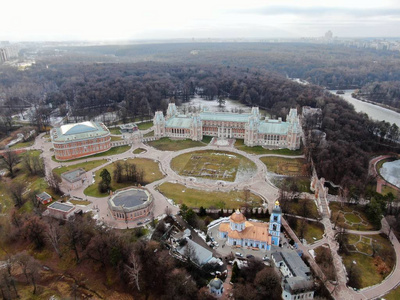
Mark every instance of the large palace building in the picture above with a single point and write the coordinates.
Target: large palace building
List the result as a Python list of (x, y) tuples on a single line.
[(248, 126), (80, 139)]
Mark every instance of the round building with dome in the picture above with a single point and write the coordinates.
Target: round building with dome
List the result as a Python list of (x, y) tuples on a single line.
[(77, 140), (243, 233), (216, 287)]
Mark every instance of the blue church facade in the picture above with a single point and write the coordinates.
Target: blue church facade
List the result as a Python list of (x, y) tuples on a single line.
[(240, 232)]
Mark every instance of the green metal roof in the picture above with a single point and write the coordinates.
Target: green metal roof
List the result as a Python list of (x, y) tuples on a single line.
[(78, 131), (228, 117), (273, 127), (179, 122)]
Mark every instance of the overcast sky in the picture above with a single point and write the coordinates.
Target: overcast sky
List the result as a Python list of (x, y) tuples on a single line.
[(155, 19)]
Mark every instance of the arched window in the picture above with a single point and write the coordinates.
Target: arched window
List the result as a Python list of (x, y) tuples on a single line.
[(274, 227)]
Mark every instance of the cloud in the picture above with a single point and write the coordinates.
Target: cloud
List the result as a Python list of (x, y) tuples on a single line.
[(317, 11)]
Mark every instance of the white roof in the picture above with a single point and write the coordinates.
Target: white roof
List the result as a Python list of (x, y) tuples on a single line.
[(78, 128)]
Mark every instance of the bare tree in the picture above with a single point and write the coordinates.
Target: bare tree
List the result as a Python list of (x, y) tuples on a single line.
[(16, 193), (54, 181), (30, 267), (53, 235), (10, 159), (133, 269)]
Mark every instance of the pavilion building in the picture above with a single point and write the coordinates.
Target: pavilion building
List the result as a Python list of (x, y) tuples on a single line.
[(78, 140), (250, 127)]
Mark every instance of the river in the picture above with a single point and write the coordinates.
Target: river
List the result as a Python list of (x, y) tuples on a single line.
[(375, 112)]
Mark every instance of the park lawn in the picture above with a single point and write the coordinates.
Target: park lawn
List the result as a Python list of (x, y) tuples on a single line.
[(312, 230), (23, 144), (388, 189), (116, 138), (239, 144), (87, 166), (151, 133), (195, 198), (138, 151), (286, 166), (351, 217), (211, 164), (393, 295), (144, 125), (112, 151), (349, 208), (295, 208), (302, 183), (115, 130), (151, 173), (370, 273), (166, 144), (80, 202)]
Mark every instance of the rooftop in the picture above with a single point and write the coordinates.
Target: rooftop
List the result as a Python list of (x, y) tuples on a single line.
[(295, 264), (130, 198), (78, 131), (179, 122), (74, 175), (44, 196), (273, 127), (228, 117), (61, 206)]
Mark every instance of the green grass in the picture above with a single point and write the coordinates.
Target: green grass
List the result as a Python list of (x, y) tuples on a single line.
[(144, 125), (151, 173), (116, 138), (80, 202), (388, 189), (112, 151), (211, 164), (296, 208), (239, 144), (166, 144), (311, 230), (336, 207), (286, 166), (151, 133), (84, 165), (302, 183), (393, 295), (138, 151), (115, 130), (208, 199), (22, 145), (370, 273), (353, 218)]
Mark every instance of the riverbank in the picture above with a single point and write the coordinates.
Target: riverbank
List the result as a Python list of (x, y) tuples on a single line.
[(361, 98)]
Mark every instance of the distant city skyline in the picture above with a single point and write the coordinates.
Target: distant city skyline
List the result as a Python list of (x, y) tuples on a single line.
[(45, 20)]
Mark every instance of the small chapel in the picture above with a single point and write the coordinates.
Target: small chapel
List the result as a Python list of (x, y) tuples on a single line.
[(240, 232)]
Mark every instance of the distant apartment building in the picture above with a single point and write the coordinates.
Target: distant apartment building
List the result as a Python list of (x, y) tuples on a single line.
[(8, 52), (78, 140), (250, 127)]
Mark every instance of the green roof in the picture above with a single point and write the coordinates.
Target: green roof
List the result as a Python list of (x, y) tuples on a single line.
[(228, 117), (273, 127), (78, 131), (179, 122)]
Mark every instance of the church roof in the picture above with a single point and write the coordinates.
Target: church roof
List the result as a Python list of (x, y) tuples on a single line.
[(216, 283), (257, 231), (238, 217)]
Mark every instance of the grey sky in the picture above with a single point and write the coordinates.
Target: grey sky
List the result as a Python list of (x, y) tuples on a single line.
[(155, 19)]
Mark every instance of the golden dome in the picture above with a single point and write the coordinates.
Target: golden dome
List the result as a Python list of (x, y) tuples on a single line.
[(238, 217), (276, 203)]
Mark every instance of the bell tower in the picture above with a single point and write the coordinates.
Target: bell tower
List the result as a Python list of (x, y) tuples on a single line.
[(275, 224)]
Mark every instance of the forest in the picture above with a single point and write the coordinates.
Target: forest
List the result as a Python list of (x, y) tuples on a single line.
[(385, 92), (332, 66)]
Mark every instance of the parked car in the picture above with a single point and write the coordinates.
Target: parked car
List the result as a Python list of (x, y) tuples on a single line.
[(265, 258), (239, 254), (249, 256)]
